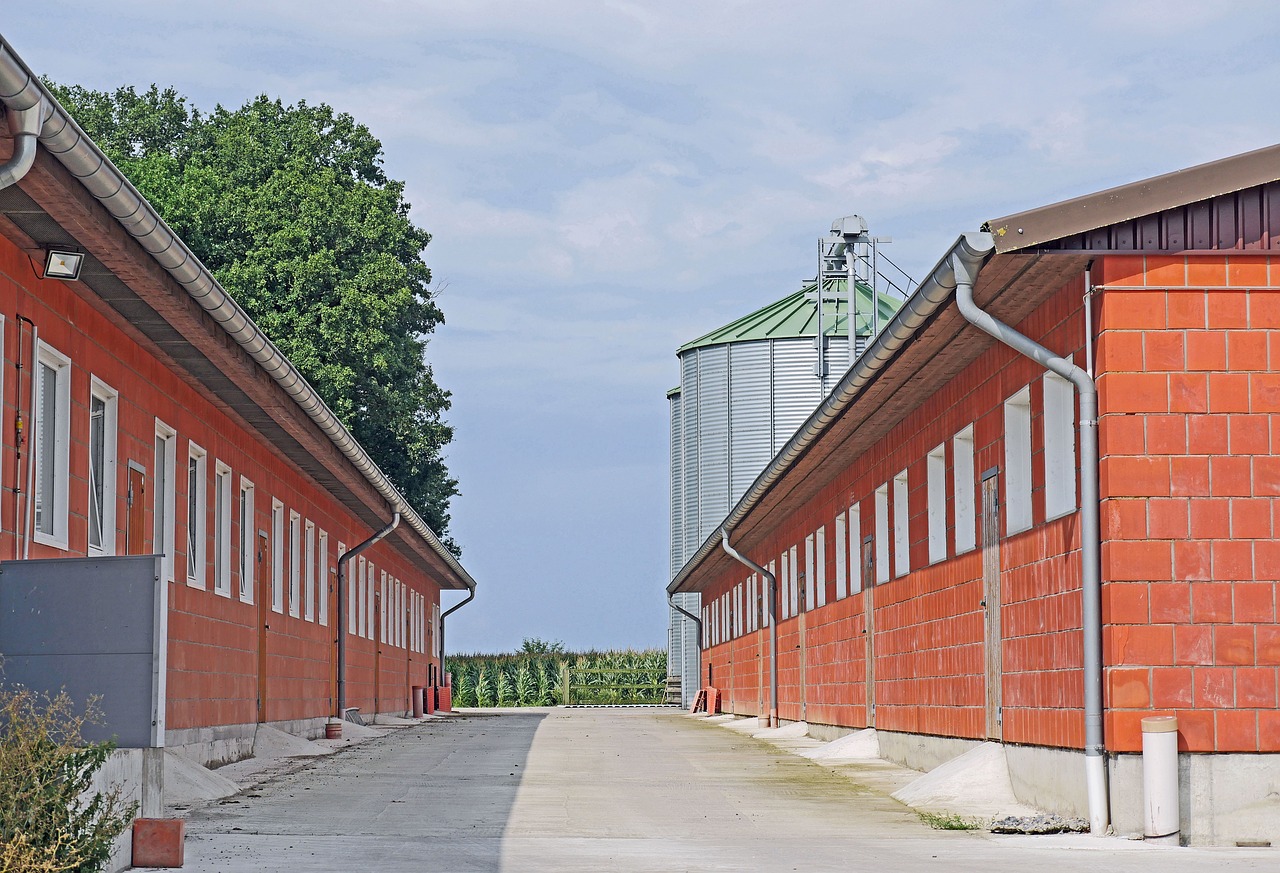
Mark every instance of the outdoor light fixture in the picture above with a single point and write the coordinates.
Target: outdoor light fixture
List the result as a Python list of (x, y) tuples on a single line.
[(63, 265)]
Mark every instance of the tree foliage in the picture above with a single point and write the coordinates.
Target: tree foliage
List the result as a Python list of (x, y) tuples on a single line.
[(290, 208)]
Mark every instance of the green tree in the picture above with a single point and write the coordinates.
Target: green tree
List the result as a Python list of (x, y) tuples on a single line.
[(290, 208), (539, 646)]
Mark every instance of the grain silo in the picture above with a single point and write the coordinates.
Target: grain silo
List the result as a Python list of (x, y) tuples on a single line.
[(748, 386)]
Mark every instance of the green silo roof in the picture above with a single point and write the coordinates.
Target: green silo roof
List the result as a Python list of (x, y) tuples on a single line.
[(796, 315)]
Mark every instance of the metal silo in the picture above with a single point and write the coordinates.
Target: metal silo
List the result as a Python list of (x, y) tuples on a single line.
[(747, 387)]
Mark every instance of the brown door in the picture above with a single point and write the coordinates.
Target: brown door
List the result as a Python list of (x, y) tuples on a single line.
[(869, 621), (991, 603), (135, 510), (264, 613)]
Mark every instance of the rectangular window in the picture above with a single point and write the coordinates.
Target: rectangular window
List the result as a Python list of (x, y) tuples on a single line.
[(842, 555), (820, 564), (882, 534), (165, 506), (362, 602), (855, 549), (767, 613), (246, 542), (103, 402), (1017, 462), (752, 608), (436, 648), (964, 479), (810, 599), (383, 628), (197, 515), (51, 445), (277, 556), (295, 564), (1059, 447), (222, 529), (706, 627), (901, 519), (310, 578), (322, 572), (793, 558), (371, 592), (937, 475), (784, 587)]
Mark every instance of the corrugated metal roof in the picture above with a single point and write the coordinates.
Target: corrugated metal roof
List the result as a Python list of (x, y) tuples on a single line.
[(797, 315)]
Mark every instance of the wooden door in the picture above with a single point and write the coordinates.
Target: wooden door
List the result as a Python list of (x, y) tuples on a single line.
[(264, 613), (869, 623), (991, 600), (135, 512)]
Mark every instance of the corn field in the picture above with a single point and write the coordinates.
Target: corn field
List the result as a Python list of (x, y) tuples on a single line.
[(618, 677)]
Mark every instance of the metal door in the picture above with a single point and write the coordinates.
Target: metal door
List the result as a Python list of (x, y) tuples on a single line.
[(869, 623), (135, 512), (264, 607), (991, 602)]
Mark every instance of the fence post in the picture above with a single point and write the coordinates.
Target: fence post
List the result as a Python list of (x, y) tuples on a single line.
[(564, 681)]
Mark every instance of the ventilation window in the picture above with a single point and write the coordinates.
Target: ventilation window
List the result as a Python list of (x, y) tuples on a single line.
[(937, 473), (1059, 447), (901, 540), (882, 534), (1017, 459), (964, 479), (855, 549)]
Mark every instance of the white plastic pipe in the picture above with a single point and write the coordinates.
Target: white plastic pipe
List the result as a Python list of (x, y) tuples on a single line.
[(1160, 779)]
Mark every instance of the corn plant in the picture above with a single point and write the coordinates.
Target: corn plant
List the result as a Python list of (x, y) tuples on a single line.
[(484, 688)]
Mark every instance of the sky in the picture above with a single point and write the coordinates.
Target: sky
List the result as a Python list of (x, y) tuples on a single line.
[(607, 180)]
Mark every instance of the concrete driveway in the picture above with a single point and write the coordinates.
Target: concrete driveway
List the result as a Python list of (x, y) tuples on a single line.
[(616, 791)]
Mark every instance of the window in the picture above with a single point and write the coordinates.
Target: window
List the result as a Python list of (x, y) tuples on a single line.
[(809, 594), (1017, 462), (246, 540), (752, 604), (50, 447), (295, 564), (706, 627), (882, 534), (222, 529), (770, 605), (855, 549), (784, 586), (277, 556), (820, 566), (937, 475), (383, 603), (309, 579), (362, 603), (436, 648), (842, 555), (401, 615), (901, 517), (102, 469), (794, 559), (964, 478), (197, 512), (1059, 447), (371, 591), (165, 507), (323, 573)]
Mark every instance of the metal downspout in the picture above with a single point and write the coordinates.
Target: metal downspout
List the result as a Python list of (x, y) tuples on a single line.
[(471, 595), (25, 125), (1090, 531), (697, 620), (771, 595), (341, 619)]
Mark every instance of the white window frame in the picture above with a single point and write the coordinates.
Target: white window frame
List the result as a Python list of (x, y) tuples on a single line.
[(901, 525), (309, 570), (248, 541), (794, 557), (964, 477), (855, 549), (371, 592), (53, 508), (810, 597), (197, 516), (295, 564), (362, 602), (1059, 422), (222, 529), (820, 564), (882, 534), (277, 556), (784, 587), (165, 499), (936, 475), (384, 598), (767, 610), (842, 557), (436, 649), (322, 575), (1017, 463), (110, 399)]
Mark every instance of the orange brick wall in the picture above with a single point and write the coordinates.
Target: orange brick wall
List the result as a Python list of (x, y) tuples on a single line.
[(213, 652), (1189, 382)]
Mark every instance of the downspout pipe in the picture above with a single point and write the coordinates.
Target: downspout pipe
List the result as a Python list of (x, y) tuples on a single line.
[(471, 595), (341, 619), (772, 599), (1090, 529), (25, 125), (697, 620)]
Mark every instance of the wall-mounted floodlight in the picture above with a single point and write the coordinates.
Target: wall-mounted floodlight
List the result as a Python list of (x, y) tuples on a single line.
[(63, 265)]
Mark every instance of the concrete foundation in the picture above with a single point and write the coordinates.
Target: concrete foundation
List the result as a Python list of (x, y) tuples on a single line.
[(222, 744)]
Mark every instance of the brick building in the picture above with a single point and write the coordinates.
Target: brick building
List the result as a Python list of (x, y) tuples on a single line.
[(929, 527), (144, 413)]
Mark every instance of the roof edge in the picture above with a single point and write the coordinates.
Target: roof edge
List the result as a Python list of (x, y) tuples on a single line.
[(1044, 224)]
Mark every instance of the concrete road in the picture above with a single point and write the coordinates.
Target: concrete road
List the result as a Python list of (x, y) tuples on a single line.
[(616, 791)]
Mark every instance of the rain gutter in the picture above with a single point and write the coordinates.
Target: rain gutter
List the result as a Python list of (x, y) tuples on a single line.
[(471, 595), (771, 594), (21, 91), (966, 273), (697, 620), (341, 620)]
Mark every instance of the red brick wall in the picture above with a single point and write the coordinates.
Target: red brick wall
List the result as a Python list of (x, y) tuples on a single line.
[(1189, 352), (213, 652), (1190, 437)]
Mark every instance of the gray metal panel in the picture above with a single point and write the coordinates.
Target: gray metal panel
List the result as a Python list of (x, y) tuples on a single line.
[(690, 457), (750, 416), (713, 438), (676, 486), (837, 358), (795, 387), (91, 626)]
